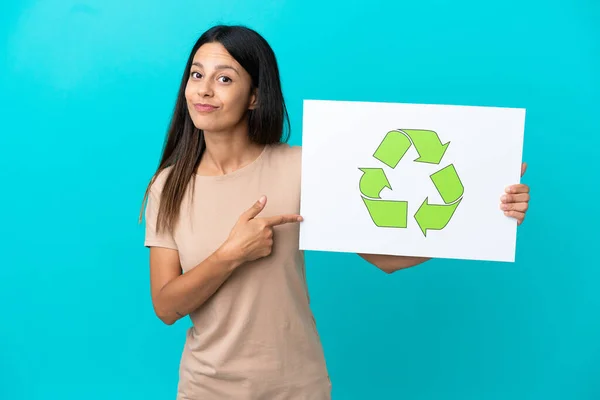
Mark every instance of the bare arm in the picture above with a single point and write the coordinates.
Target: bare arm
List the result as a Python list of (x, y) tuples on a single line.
[(175, 295), (390, 264)]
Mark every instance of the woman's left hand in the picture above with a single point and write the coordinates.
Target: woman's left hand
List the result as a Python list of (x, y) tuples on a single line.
[(515, 201)]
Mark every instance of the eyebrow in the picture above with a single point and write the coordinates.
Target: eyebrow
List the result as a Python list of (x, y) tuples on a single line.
[(220, 66)]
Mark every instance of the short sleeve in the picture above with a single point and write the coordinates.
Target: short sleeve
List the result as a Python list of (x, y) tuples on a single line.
[(154, 239)]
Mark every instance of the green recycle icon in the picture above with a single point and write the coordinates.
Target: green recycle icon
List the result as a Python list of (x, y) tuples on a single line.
[(394, 213)]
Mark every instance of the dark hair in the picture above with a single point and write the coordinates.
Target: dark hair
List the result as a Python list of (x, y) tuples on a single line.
[(184, 144)]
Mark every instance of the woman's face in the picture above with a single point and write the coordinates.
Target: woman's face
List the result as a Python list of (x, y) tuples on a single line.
[(219, 91)]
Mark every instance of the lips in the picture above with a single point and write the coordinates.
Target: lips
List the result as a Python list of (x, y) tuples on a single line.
[(200, 107)]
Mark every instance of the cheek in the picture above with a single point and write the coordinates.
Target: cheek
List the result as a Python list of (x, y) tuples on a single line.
[(238, 100), (188, 92)]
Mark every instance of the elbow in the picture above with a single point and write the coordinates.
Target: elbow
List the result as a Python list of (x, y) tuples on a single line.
[(165, 316), (167, 320), (388, 269), (394, 266), (390, 265)]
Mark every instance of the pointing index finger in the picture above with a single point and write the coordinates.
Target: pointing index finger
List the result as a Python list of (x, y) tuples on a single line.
[(282, 219)]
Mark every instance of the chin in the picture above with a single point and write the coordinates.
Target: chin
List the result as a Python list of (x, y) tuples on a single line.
[(204, 123), (212, 127)]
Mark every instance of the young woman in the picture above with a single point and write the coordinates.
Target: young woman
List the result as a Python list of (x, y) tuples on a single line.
[(222, 228)]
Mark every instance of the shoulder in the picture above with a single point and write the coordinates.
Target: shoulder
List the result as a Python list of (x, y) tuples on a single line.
[(159, 180), (285, 175), (286, 154)]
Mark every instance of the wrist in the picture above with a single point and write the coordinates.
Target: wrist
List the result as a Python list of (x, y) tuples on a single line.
[(228, 257)]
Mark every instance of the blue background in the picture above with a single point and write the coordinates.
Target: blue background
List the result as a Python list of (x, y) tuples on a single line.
[(86, 93)]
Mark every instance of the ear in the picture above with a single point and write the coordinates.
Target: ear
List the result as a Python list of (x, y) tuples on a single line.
[(253, 100)]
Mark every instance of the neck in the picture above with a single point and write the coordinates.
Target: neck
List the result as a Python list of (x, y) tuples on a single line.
[(227, 152)]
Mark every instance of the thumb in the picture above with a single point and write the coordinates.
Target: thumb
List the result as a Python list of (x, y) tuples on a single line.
[(255, 209), (523, 168)]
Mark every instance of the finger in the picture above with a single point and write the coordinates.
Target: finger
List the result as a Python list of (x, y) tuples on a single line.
[(282, 219), (519, 216), (520, 207), (519, 188), (255, 209), (523, 168), (515, 198)]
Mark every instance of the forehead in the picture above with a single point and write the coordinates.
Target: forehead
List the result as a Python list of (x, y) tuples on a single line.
[(214, 53)]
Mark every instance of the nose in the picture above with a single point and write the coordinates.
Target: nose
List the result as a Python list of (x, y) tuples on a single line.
[(204, 88)]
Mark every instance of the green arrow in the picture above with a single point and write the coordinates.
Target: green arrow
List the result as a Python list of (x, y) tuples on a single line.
[(373, 181), (428, 145), (448, 184), (387, 213), (392, 148), (434, 216)]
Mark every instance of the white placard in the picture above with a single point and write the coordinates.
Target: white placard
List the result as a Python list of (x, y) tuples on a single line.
[(409, 179)]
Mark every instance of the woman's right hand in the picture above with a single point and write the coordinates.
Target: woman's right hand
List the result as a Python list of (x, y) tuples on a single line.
[(252, 237)]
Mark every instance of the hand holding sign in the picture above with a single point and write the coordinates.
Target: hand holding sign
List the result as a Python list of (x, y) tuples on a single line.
[(515, 202)]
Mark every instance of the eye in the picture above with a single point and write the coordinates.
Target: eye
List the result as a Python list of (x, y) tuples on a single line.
[(196, 75), (224, 79)]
